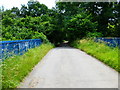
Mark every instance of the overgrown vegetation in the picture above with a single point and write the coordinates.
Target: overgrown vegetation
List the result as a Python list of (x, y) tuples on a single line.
[(106, 54), (66, 21), (14, 69)]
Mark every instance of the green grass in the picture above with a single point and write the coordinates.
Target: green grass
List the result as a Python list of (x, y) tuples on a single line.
[(100, 51), (16, 68)]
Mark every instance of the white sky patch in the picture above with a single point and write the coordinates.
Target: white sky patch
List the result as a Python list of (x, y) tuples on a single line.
[(8, 4), (48, 3)]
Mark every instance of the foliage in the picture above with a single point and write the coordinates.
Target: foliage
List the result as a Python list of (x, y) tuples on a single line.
[(100, 51), (93, 34), (34, 9), (41, 36), (66, 21), (104, 13), (14, 69), (80, 25), (25, 28)]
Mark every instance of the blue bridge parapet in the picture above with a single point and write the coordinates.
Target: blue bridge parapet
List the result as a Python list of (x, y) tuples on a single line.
[(17, 47), (113, 41)]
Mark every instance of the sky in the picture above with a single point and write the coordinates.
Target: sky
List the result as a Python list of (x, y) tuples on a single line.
[(8, 4)]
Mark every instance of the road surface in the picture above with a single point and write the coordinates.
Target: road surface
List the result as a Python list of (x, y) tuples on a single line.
[(65, 67)]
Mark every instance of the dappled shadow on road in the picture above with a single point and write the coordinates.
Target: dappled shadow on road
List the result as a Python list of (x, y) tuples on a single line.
[(65, 48), (64, 45)]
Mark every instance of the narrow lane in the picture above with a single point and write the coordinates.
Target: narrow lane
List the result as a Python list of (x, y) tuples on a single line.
[(66, 67)]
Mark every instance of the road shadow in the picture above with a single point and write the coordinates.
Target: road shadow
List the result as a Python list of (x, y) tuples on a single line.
[(64, 45)]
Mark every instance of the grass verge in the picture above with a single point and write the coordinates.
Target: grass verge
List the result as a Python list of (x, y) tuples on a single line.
[(100, 51), (14, 69)]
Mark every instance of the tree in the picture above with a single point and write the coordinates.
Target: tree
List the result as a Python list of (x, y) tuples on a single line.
[(34, 9), (67, 21), (104, 13), (80, 25)]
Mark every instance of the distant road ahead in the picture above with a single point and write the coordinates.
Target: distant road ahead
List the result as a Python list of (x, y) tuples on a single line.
[(66, 67)]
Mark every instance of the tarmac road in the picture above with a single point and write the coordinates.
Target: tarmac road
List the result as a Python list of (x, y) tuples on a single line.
[(65, 67)]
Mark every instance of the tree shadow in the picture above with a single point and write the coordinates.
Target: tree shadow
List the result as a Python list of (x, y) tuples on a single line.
[(65, 45)]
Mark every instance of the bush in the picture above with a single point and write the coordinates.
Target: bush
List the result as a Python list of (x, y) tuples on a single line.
[(94, 34), (40, 36)]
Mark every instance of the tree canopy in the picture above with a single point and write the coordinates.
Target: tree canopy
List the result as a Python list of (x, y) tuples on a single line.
[(66, 21)]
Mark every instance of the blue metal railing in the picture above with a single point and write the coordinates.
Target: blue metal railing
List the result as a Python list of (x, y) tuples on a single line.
[(17, 47), (113, 42)]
